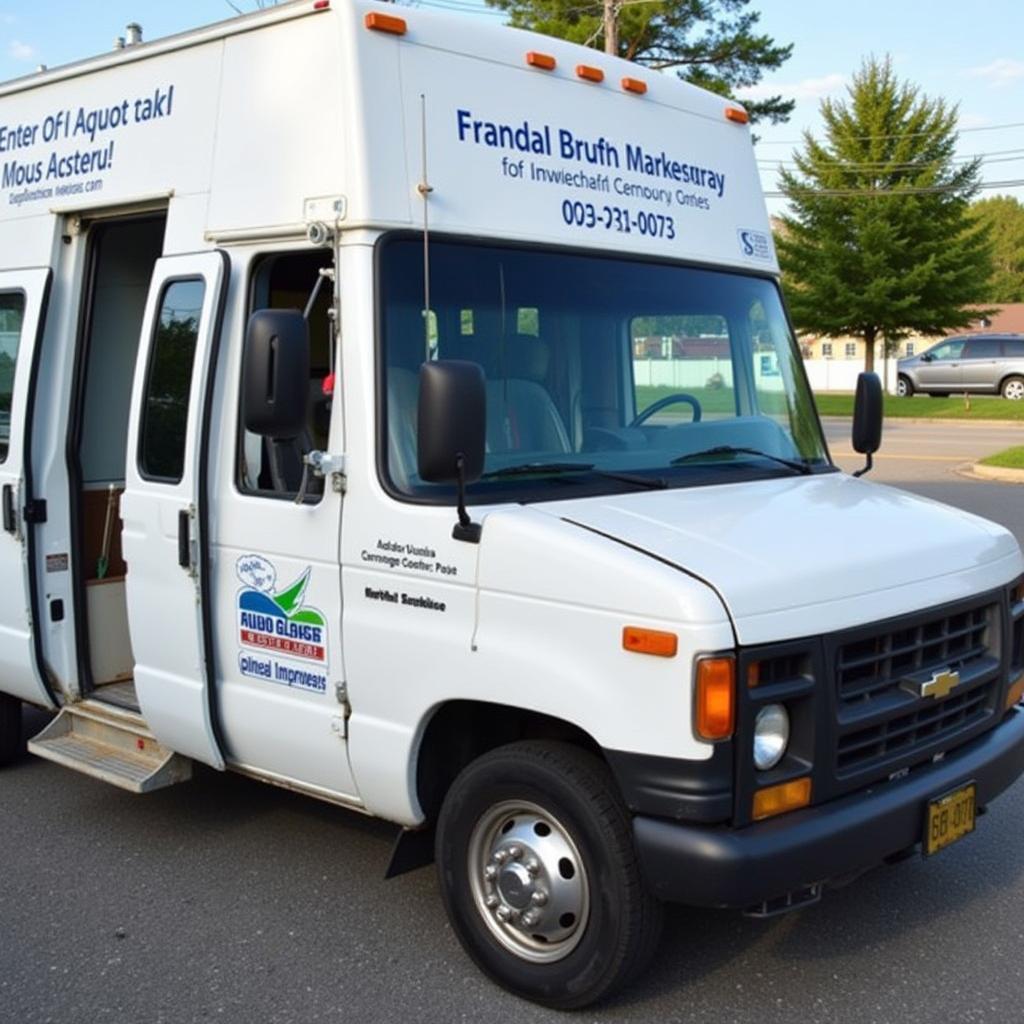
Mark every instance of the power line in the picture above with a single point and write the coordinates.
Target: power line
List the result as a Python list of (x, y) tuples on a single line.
[(873, 193), (900, 135), (995, 157)]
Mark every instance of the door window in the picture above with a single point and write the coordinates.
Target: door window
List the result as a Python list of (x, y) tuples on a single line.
[(12, 315), (983, 348), (948, 349), (1013, 348), (169, 382)]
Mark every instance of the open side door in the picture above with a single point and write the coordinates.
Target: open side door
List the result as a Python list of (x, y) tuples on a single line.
[(24, 295), (164, 508)]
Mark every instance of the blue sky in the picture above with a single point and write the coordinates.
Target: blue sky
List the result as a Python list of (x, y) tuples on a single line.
[(972, 55)]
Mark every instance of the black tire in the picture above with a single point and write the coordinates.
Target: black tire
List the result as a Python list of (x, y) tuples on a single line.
[(904, 386), (11, 740), (1013, 388), (621, 922)]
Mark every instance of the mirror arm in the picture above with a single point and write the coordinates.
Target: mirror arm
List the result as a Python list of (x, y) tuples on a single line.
[(465, 529), (866, 468)]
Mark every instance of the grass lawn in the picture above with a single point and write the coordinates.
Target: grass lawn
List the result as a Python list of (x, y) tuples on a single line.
[(1012, 458), (831, 403)]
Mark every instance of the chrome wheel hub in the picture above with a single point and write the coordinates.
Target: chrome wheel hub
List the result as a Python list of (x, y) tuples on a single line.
[(529, 882)]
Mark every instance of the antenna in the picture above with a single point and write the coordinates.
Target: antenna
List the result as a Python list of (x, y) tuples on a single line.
[(425, 188)]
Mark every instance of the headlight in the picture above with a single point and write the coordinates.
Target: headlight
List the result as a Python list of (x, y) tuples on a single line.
[(771, 736)]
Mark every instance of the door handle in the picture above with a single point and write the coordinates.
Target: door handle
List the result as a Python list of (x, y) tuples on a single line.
[(184, 548), (10, 518)]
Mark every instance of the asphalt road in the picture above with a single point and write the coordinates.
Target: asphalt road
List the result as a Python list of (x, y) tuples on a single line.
[(226, 900)]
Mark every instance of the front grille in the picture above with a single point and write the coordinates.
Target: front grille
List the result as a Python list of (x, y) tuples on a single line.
[(881, 714), (871, 667)]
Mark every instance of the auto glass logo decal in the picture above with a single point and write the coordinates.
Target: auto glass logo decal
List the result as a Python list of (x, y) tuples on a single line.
[(278, 621)]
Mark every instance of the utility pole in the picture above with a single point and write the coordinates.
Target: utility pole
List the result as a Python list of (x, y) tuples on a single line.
[(611, 27)]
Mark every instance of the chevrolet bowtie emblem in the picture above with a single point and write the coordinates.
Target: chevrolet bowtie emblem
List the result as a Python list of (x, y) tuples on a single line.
[(940, 685)]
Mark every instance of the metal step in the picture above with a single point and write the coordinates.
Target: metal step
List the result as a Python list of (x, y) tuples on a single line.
[(111, 744)]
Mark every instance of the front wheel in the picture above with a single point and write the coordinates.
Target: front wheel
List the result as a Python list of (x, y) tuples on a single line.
[(539, 875), (1013, 388), (904, 387), (11, 741)]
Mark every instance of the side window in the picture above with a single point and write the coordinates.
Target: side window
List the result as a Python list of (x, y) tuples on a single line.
[(983, 348), (687, 354), (274, 468), (1013, 348), (169, 382), (12, 316), (948, 350)]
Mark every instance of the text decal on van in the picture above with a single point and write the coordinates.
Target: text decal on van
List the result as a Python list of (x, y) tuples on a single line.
[(278, 622)]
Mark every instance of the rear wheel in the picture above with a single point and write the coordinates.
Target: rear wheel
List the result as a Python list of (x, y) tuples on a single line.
[(11, 742), (539, 875), (904, 386), (1013, 388)]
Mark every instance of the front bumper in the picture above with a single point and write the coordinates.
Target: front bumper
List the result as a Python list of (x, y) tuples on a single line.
[(723, 867)]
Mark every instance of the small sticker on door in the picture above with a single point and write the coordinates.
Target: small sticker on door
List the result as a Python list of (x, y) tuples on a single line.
[(57, 563)]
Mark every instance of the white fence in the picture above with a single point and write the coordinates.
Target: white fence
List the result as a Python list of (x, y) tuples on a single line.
[(823, 374)]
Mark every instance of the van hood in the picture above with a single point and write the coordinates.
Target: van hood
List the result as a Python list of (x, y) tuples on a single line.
[(798, 556)]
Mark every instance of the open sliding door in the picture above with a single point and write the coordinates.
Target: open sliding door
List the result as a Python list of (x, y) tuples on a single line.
[(164, 505)]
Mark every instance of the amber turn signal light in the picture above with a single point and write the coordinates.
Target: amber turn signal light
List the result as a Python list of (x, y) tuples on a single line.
[(715, 698), (1016, 694), (650, 641), (787, 796), (385, 23)]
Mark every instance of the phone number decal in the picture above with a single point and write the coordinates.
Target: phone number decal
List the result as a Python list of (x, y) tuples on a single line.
[(618, 218)]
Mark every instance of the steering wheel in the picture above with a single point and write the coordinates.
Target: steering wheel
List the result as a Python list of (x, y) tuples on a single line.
[(664, 403)]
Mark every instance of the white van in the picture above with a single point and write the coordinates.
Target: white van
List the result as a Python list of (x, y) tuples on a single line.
[(404, 411)]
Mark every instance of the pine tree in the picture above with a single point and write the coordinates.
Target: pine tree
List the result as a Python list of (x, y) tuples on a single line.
[(879, 241), (1001, 218), (712, 43)]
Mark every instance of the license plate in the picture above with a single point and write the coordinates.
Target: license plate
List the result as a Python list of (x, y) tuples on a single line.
[(950, 818)]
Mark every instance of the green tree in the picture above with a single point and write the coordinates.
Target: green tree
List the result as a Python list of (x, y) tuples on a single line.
[(1001, 219), (711, 43), (879, 241)]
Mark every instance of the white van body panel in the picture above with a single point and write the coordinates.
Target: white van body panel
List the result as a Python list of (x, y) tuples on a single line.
[(771, 549)]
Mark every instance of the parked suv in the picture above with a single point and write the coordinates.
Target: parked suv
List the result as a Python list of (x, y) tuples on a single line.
[(987, 363)]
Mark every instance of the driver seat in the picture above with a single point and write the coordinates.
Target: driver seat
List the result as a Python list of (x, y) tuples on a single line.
[(521, 415)]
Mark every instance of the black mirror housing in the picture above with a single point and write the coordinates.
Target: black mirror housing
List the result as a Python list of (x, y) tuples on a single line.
[(867, 418), (452, 422), (275, 373)]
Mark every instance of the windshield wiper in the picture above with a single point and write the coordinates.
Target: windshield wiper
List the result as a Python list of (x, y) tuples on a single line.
[(728, 449), (560, 468)]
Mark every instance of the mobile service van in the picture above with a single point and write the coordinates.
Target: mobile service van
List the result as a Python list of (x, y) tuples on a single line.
[(404, 411)]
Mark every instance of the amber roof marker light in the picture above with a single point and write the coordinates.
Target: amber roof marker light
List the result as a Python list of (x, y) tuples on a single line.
[(544, 61), (737, 115), (637, 86), (589, 73), (378, 22)]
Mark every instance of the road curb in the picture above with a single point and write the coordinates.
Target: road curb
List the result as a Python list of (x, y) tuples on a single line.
[(1002, 473), (1011, 424)]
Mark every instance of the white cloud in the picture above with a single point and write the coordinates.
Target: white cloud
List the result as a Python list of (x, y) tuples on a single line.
[(18, 50), (1001, 72), (807, 89), (973, 121)]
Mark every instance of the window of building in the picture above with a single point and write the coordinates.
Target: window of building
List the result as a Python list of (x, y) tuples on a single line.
[(169, 382), (910, 348), (850, 350)]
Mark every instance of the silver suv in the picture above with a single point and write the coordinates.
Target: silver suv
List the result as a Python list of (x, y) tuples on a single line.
[(986, 363)]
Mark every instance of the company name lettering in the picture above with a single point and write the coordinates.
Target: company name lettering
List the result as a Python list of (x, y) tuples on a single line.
[(281, 627), (545, 140)]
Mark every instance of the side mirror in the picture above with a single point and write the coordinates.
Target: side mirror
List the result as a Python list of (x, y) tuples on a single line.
[(452, 433), (927, 357), (275, 373), (867, 418)]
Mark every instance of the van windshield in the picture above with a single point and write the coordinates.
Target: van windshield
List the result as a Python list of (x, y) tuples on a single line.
[(603, 374)]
